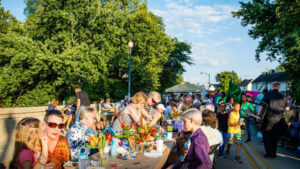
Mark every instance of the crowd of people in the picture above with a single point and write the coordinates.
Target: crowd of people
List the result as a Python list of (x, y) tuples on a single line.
[(211, 125)]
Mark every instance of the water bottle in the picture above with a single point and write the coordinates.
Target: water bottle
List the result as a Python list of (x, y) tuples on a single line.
[(169, 132), (81, 159), (113, 147)]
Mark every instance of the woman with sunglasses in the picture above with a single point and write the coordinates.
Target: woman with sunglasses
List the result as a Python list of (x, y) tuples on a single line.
[(58, 147)]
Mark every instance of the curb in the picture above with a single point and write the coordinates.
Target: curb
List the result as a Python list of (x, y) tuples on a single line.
[(258, 162)]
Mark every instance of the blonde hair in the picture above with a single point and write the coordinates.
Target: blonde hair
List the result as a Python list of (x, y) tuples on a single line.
[(155, 96), (139, 97), (27, 137), (54, 102), (193, 114), (276, 85)]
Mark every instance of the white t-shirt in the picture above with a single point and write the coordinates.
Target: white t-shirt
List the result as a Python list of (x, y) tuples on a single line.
[(213, 135)]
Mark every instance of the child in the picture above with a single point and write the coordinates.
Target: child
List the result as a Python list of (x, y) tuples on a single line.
[(223, 127), (197, 156), (234, 131), (30, 151)]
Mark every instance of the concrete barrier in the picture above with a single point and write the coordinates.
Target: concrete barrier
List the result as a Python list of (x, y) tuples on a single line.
[(9, 117)]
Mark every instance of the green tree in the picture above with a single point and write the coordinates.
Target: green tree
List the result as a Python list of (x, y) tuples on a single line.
[(8, 22), (81, 42), (224, 78), (277, 26), (173, 69)]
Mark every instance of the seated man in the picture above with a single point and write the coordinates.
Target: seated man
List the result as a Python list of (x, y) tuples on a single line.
[(79, 132)]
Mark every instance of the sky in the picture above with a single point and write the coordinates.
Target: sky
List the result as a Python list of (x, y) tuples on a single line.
[(219, 42)]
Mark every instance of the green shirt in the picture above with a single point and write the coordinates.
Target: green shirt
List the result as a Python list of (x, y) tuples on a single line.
[(219, 99), (246, 108)]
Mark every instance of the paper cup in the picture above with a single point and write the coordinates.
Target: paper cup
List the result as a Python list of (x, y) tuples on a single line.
[(159, 145)]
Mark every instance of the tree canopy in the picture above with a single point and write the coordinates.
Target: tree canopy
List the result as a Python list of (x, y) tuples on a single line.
[(224, 78), (64, 44), (173, 69), (276, 24)]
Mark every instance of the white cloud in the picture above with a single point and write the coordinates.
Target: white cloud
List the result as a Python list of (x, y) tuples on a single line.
[(197, 20), (208, 55), (235, 39), (193, 23)]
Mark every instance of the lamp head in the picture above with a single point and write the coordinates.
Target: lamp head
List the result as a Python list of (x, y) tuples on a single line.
[(266, 70), (130, 44)]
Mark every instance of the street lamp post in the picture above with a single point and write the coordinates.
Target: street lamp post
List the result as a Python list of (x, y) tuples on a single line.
[(130, 45), (207, 75), (266, 71)]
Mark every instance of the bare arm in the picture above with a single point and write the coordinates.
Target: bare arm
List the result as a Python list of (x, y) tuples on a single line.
[(78, 105), (64, 109), (133, 115)]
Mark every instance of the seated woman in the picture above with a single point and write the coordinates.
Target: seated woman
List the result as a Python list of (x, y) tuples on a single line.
[(197, 156), (133, 112), (58, 147), (30, 151), (209, 128), (53, 105)]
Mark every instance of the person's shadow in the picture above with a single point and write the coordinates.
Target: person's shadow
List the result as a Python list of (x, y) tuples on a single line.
[(9, 126)]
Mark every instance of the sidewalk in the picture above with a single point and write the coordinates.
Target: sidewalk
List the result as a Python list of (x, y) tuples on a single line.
[(229, 163), (285, 158)]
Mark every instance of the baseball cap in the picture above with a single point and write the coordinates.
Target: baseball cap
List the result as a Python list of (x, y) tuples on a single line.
[(161, 106)]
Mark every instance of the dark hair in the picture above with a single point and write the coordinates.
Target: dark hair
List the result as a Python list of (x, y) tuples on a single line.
[(53, 113), (209, 118), (265, 91), (236, 103), (228, 99), (77, 87), (243, 94)]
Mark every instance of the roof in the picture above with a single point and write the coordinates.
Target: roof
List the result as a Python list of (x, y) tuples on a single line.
[(183, 87), (272, 77), (245, 82)]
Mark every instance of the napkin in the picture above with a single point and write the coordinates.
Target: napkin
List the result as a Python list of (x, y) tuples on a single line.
[(153, 154)]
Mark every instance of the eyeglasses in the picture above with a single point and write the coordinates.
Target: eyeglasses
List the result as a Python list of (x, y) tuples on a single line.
[(54, 125)]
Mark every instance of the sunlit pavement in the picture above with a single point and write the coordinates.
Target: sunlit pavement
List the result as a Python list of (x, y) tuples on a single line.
[(252, 157)]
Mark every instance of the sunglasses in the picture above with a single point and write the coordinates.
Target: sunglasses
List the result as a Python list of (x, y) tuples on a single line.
[(153, 101), (54, 125)]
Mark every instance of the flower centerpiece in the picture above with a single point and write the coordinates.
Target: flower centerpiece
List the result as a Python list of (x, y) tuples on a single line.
[(99, 142), (128, 133), (176, 114), (187, 107), (145, 133)]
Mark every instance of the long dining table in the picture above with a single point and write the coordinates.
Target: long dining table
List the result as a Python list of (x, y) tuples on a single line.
[(142, 161)]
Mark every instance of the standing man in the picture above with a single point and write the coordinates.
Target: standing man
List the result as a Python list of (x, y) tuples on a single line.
[(272, 123), (82, 101)]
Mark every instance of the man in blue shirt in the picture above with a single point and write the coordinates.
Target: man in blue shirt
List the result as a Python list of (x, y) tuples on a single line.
[(79, 132)]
